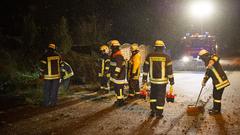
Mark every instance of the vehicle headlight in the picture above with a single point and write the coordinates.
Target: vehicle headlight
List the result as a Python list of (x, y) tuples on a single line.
[(185, 59)]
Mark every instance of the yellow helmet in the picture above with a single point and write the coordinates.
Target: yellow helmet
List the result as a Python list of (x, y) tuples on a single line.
[(53, 46), (115, 43), (159, 43), (134, 47), (202, 52), (104, 48)]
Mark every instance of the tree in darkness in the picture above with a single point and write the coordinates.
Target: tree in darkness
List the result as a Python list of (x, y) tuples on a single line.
[(63, 37)]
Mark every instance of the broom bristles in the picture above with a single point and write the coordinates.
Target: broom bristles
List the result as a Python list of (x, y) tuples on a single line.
[(194, 110)]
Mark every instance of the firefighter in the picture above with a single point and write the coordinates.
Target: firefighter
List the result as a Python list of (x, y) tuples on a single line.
[(159, 67), (215, 71), (117, 72), (66, 74), (134, 71), (50, 70), (104, 65)]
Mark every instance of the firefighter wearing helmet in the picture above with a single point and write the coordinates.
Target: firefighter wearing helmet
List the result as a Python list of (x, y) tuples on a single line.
[(117, 72), (134, 71), (50, 70), (215, 71), (103, 71), (158, 65)]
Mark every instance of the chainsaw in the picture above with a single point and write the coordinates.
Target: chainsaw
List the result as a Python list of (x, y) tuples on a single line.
[(144, 92), (170, 96)]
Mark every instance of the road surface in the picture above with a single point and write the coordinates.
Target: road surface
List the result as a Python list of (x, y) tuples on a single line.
[(88, 114)]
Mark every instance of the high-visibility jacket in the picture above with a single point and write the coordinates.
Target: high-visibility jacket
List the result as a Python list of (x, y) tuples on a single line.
[(216, 72), (104, 66), (159, 67), (117, 68), (134, 66), (66, 70), (50, 65)]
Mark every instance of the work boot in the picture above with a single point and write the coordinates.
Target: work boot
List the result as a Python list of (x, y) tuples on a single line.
[(214, 111), (119, 103), (152, 113), (159, 115), (116, 103)]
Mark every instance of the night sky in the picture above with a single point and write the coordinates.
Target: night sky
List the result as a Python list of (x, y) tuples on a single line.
[(141, 21)]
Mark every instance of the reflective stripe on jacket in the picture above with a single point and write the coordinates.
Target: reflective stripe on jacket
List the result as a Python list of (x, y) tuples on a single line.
[(216, 72), (104, 66), (117, 68), (66, 70), (159, 67), (50, 65), (134, 66)]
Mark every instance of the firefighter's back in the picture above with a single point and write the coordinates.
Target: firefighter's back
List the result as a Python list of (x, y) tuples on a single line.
[(158, 66)]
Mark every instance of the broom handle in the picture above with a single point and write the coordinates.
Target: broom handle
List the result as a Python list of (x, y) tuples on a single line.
[(199, 95)]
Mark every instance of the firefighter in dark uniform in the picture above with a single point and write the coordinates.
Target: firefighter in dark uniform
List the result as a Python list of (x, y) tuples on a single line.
[(117, 72), (50, 70), (219, 79), (66, 74), (104, 66), (134, 71), (159, 67)]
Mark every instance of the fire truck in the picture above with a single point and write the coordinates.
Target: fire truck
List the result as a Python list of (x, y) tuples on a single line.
[(191, 44), (188, 50)]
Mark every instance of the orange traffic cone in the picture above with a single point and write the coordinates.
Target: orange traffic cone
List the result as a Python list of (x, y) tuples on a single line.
[(170, 96)]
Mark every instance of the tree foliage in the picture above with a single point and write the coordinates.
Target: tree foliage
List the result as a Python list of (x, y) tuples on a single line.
[(92, 31), (95, 21), (63, 37)]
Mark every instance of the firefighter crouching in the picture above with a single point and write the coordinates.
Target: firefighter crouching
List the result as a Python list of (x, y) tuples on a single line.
[(66, 74), (104, 65), (117, 72), (159, 67), (50, 70), (219, 78), (134, 71)]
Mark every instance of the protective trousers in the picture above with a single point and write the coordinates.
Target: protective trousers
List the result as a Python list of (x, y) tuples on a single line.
[(66, 84), (217, 96), (157, 97), (104, 81), (50, 92), (133, 87), (118, 88)]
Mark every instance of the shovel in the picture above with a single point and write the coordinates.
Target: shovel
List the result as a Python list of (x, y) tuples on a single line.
[(194, 109)]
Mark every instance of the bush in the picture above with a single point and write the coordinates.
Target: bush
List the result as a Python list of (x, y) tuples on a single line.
[(7, 75), (84, 67)]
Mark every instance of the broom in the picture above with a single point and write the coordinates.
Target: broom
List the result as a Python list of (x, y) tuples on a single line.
[(194, 109)]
